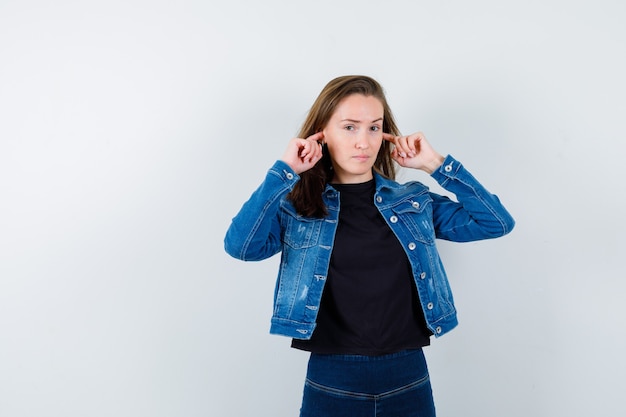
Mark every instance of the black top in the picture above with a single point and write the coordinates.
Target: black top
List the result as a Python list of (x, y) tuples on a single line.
[(369, 305)]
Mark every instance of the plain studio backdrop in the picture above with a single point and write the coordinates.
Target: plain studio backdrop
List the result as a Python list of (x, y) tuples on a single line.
[(132, 131)]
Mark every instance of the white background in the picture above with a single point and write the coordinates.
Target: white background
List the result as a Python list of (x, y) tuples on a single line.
[(132, 131)]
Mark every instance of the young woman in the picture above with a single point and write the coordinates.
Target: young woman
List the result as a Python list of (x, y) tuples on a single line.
[(360, 284)]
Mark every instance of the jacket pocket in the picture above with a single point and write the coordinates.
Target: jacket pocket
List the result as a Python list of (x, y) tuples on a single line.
[(416, 213), (301, 232)]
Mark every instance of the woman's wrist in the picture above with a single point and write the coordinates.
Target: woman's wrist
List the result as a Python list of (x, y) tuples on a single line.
[(434, 164)]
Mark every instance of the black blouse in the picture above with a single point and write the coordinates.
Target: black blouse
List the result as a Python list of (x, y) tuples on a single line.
[(369, 305)]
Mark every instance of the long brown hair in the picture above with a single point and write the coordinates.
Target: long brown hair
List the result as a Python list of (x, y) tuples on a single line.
[(306, 195)]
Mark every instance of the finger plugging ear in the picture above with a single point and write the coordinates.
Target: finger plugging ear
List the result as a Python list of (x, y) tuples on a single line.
[(389, 137), (317, 136)]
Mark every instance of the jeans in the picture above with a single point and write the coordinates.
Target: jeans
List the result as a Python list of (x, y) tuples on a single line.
[(394, 385)]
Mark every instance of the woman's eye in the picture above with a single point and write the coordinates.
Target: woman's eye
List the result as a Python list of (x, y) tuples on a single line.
[(350, 127), (375, 128)]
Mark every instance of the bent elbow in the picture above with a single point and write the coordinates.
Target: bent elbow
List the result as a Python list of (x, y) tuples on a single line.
[(232, 248), (249, 250), (507, 224)]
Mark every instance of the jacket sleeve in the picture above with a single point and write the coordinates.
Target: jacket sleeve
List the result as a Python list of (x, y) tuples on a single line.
[(476, 215), (255, 232)]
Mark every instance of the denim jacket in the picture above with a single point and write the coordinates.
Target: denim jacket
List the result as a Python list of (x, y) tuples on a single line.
[(268, 223)]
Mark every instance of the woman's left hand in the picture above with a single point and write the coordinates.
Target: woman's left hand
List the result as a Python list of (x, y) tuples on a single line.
[(414, 151)]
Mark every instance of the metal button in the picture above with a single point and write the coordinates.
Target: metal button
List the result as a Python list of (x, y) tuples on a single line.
[(393, 219), (430, 306), (416, 205), (412, 246)]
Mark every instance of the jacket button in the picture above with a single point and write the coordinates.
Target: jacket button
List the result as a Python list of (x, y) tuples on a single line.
[(430, 306), (393, 219), (423, 275), (289, 176), (416, 205), (379, 199), (438, 329), (448, 168), (412, 246)]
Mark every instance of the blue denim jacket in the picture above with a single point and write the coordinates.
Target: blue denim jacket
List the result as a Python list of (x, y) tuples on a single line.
[(268, 223)]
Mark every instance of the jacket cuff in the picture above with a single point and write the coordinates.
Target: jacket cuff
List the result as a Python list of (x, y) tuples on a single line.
[(448, 169), (285, 173)]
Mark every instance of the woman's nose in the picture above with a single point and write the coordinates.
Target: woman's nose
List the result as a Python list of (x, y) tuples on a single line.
[(361, 141)]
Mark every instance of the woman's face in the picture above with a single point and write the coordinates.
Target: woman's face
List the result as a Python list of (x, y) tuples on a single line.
[(353, 137)]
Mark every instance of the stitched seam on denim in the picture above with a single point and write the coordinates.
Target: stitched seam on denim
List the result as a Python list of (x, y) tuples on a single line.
[(405, 388), (339, 392), (485, 204), (359, 395)]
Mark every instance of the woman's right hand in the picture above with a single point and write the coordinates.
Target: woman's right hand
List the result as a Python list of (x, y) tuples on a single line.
[(302, 154)]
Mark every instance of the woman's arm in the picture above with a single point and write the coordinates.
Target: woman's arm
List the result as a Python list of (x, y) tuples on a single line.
[(255, 232), (476, 215)]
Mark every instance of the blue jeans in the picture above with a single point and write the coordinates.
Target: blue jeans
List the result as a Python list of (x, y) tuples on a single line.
[(394, 385)]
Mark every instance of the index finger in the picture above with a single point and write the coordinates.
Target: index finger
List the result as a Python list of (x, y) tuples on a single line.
[(389, 137), (316, 136)]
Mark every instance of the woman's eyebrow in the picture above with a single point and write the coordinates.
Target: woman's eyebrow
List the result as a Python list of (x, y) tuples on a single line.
[(358, 121)]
